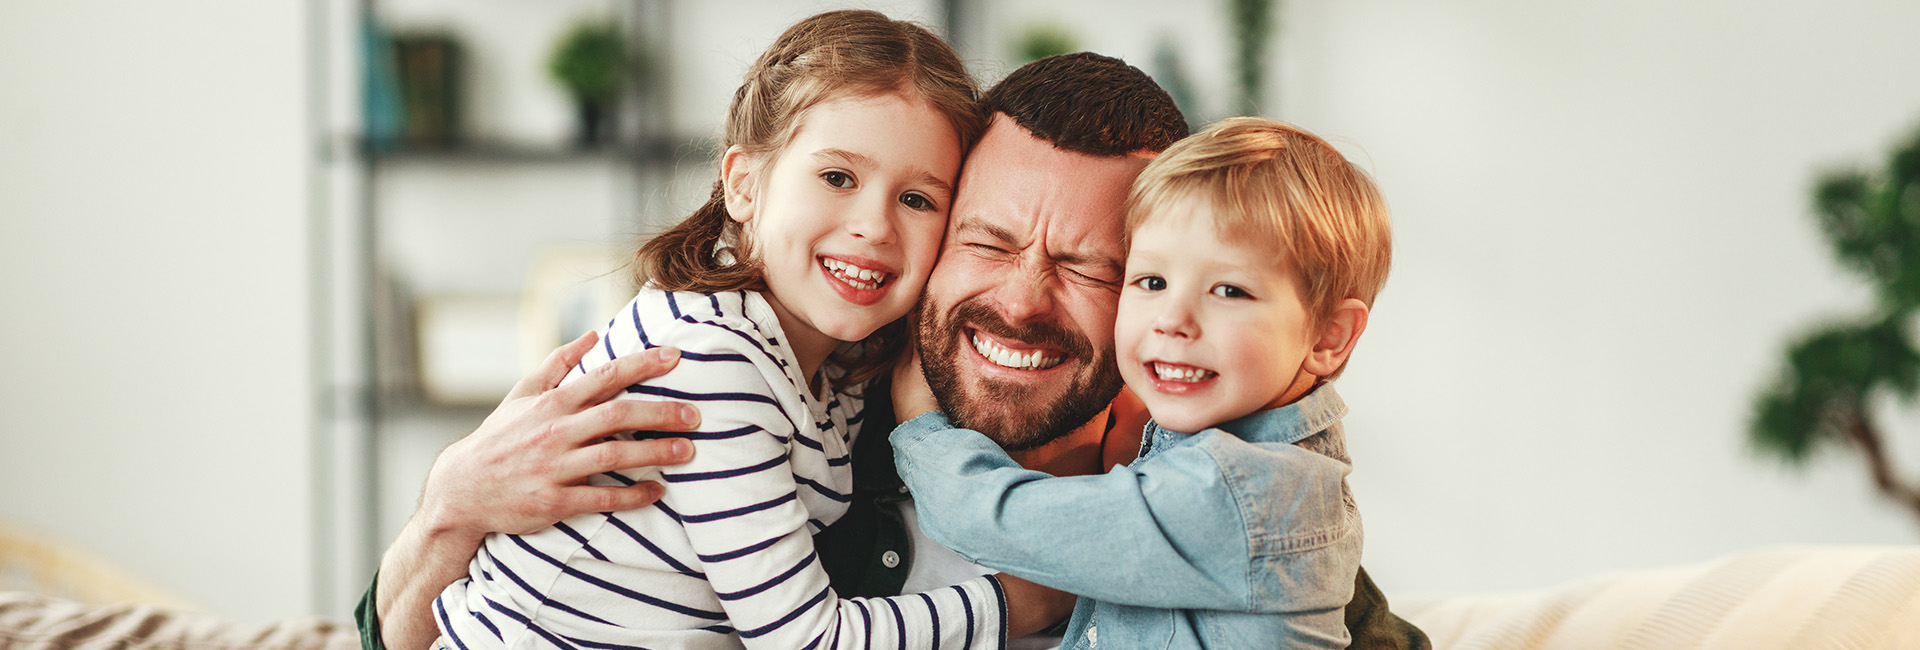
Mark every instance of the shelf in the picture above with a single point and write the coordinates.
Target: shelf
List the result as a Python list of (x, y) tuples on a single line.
[(485, 151)]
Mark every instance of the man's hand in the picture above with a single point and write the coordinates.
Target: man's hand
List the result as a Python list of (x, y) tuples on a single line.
[(527, 465), (524, 469)]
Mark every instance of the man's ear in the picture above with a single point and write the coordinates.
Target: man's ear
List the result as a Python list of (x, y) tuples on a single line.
[(1337, 335), (736, 179)]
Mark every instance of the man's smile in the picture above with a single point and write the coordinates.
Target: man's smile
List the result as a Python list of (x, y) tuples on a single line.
[(1008, 353)]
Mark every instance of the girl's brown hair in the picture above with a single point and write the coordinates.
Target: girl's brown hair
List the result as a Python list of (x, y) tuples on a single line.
[(831, 55)]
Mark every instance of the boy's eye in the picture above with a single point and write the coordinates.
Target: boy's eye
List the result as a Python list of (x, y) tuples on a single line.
[(1151, 283), (1230, 291), (837, 178), (916, 201)]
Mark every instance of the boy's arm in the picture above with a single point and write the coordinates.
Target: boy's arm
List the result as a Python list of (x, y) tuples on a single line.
[(523, 469), (1171, 536)]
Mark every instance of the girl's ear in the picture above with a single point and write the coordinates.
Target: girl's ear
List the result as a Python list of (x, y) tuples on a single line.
[(1334, 342), (736, 178)]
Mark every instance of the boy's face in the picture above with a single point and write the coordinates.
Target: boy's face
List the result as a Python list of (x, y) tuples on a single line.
[(1210, 328)]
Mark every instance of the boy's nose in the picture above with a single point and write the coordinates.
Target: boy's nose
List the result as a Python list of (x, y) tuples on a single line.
[(1176, 320)]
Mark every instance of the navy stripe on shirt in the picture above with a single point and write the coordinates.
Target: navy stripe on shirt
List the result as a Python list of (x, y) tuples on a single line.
[(764, 629), (689, 477), (662, 391), (933, 614), (742, 510), (651, 548), (770, 582), (617, 589), (740, 552)]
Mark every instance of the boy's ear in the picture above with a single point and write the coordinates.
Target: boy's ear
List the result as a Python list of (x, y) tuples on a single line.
[(1336, 338), (736, 179)]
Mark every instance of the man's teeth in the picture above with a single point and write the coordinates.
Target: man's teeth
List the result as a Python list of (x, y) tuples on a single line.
[(854, 276), (1185, 374), (1031, 360)]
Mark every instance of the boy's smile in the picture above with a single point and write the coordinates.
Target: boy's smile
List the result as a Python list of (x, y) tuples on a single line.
[(1211, 327)]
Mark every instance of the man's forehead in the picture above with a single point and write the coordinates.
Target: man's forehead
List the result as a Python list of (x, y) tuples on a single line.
[(1016, 186)]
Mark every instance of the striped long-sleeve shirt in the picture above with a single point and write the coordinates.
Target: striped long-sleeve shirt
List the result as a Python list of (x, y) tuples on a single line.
[(726, 558)]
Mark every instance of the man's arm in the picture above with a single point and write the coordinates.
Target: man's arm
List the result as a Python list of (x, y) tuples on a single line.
[(522, 470)]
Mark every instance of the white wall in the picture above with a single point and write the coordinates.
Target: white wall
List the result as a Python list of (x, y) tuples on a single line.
[(1603, 243), (155, 338)]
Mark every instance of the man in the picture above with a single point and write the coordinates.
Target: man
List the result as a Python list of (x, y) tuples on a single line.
[(1014, 334)]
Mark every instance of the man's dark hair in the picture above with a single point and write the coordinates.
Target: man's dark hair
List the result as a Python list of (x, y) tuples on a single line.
[(1091, 104)]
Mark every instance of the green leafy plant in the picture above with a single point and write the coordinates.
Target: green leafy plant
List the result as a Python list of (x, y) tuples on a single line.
[(1833, 375), (590, 61), (1042, 40), (1250, 23)]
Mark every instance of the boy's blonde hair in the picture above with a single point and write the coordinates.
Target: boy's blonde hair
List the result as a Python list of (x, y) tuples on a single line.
[(1281, 186)]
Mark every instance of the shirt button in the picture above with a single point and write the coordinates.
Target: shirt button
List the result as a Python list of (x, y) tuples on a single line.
[(890, 558), (903, 489), (1093, 635)]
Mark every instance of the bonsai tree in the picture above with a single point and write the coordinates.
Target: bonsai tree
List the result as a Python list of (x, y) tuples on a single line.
[(1833, 375), (591, 63)]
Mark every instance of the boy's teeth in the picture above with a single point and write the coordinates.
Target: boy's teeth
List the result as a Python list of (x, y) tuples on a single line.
[(854, 276), (1001, 356), (1184, 374)]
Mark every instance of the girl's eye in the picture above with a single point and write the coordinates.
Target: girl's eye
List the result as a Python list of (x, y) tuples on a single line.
[(916, 201), (837, 178), (1151, 283), (1230, 291)]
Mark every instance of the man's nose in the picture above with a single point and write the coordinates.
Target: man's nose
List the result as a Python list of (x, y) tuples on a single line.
[(1026, 294)]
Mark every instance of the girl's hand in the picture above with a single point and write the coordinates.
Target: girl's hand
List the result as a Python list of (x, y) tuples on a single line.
[(1032, 607), (526, 467)]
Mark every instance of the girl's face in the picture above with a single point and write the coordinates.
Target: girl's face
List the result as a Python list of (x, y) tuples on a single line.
[(847, 219)]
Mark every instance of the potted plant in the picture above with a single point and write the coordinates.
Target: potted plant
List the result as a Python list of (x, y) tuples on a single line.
[(590, 61)]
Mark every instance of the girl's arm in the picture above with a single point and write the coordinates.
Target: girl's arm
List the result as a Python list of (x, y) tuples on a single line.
[(739, 502)]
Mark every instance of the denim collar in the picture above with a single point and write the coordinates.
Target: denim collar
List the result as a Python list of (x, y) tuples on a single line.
[(1312, 413)]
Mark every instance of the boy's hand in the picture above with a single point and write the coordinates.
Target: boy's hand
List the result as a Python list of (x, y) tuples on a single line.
[(911, 394), (1032, 607)]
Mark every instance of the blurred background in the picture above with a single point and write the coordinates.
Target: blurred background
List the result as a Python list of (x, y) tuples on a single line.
[(263, 259)]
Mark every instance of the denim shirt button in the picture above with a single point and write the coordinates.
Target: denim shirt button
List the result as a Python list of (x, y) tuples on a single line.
[(1093, 636), (890, 558)]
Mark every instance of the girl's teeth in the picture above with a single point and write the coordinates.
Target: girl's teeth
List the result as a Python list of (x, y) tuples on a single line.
[(1001, 356), (854, 276)]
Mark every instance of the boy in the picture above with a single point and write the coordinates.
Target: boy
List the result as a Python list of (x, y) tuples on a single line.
[(1256, 251)]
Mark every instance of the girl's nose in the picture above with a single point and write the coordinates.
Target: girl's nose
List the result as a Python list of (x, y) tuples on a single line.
[(872, 220)]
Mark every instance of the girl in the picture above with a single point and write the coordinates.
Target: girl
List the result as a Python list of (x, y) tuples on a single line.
[(842, 149)]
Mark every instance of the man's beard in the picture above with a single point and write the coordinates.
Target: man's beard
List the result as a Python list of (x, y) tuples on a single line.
[(995, 409)]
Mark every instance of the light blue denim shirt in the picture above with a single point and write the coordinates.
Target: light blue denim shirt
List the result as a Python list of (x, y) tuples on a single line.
[(1240, 536)]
